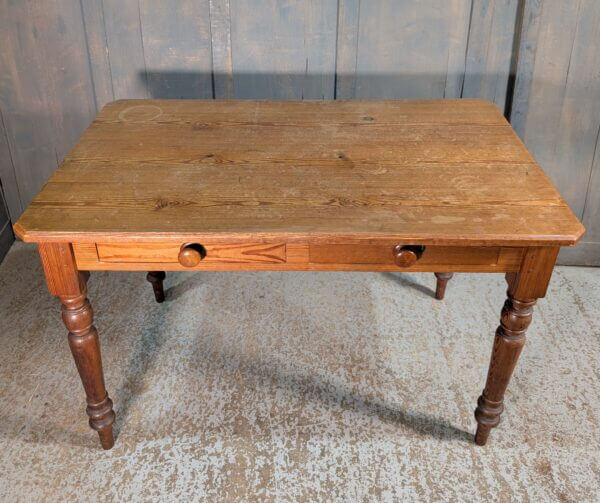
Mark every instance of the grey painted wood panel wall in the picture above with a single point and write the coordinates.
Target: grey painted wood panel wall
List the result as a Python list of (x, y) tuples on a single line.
[(62, 60), (6, 235), (556, 107)]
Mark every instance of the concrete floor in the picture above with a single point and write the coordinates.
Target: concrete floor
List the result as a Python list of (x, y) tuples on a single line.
[(298, 387)]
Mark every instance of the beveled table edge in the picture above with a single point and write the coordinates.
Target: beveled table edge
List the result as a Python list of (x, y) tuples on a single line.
[(33, 236)]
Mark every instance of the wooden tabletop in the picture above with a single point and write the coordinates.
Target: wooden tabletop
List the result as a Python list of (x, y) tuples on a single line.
[(434, 172)]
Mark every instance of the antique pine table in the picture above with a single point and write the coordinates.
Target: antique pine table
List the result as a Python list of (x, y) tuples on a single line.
[(440, 186)]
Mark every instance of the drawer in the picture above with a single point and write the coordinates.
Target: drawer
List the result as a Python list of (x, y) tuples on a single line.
[(168, 253), (278, 256), (430, 258)]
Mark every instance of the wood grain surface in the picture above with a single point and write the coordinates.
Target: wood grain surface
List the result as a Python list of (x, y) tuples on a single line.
[(377, 256), (448, 172), (168, 252)]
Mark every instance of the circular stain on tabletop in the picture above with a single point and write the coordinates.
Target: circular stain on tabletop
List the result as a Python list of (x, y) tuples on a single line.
[(140, 113)]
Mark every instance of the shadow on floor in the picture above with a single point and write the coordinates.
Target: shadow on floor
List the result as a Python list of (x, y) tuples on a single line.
[(408, 282), (155, 333), (310, 386)]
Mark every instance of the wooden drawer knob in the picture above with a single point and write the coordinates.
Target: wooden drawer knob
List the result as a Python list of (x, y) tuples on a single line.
[(407, 255), (191, 254)]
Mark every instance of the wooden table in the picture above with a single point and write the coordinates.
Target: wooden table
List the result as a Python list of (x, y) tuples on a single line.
[(440, 186)]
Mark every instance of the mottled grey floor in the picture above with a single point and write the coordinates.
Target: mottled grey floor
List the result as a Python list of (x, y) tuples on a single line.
[(298, 387)]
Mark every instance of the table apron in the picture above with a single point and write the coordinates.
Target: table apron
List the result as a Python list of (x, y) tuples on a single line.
[(279, 255)]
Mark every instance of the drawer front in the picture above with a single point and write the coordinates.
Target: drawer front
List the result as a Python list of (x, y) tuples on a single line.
[(168, 253), (373, 256), (432, 257)]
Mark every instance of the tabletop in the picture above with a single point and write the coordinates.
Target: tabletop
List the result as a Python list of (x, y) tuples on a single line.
[(437, 172), (441, 186)]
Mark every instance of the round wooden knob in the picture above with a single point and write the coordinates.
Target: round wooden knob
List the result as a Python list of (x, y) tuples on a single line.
[(191, 254), (405, 256)]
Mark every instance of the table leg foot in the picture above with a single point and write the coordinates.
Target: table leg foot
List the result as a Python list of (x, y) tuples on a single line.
[(442, 281), (106, 433), (482, 434), (157, 278)]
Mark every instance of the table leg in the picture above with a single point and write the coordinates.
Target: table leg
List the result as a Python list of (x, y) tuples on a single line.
[(442, 281), (69, 285), (157, 278), (524, 288), (508, 343)]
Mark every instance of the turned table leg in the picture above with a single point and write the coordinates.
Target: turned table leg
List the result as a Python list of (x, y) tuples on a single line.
[(65, 282), (508, 343), (524, 288), (157, 278), (442, 281)]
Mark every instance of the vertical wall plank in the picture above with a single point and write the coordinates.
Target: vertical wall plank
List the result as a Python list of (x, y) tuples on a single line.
[(3, 210), (6, 235), (347, 48), (588, 253), (283, 49), (554, 41), (23, 101), (177, 48), (579, 119), (125, 48), (490, 51), (562, 114), (8, 177), (578, 146), (557, 104), (458, 38), (95, 30), (542, 122), (58, 26), (220, 29), (45, 86), (530, 28), (409, 52)]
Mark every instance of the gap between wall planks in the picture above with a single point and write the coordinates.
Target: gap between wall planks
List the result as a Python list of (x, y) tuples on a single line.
[(62, 61)]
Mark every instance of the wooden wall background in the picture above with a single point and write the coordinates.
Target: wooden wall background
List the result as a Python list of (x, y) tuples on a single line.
[(6, 235), (539, 60)]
